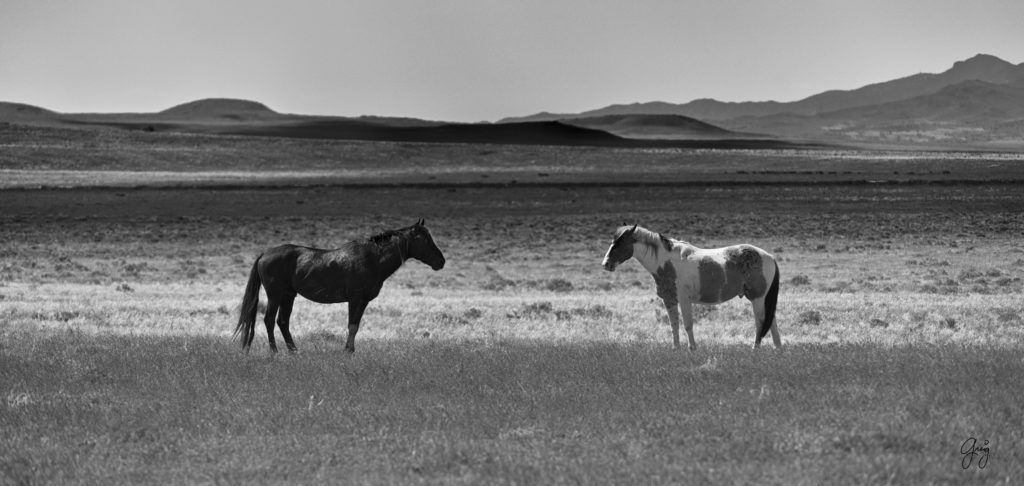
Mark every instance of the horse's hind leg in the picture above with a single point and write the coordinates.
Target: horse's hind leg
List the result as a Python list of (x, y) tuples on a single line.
[(284, 315), (776, 338), (268, 319), (758, 305)]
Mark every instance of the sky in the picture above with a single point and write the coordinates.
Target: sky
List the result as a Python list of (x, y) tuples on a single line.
[(478, 60)]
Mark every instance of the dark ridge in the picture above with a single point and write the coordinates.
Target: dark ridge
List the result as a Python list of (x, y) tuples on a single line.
[(678, 121), (535, 133), (654, 126), (528, 133)]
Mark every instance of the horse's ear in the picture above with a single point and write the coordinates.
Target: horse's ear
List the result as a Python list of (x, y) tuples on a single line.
[(420, 222), (633, 228)]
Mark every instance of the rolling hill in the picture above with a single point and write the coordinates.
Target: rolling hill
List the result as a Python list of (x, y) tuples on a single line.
[(250, 118), (219, 109), (20, 112)]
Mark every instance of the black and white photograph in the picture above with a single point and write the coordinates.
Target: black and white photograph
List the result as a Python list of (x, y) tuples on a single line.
[(528, 242)]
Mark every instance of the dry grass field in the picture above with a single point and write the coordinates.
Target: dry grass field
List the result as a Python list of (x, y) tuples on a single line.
[(522, 361)]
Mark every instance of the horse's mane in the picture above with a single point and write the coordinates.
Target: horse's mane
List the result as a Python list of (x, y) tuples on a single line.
[(645, 235), (653, 240), (386, 236)]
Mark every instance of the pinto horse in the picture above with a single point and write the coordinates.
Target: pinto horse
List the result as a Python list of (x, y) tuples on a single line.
[(353, 273), (685, 274)]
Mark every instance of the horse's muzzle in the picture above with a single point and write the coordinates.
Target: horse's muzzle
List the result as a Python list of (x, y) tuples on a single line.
[(438, 266), (609, 266)]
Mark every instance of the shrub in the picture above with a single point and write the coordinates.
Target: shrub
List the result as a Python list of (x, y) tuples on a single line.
[(800, 280), (1006, 281), (558, 285), (593, 312), (497, 281), (947, 323), (1008, 316), (531, 310), (447, 319), (918, 316), (809, 318), (969, 274)]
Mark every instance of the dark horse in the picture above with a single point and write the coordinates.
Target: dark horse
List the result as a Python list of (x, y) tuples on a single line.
[(353, 273)]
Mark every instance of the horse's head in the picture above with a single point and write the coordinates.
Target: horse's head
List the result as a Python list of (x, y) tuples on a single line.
[(423, 248), (621, 249)]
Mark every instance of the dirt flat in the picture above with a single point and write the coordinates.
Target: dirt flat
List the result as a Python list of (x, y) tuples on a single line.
[(498, 201)]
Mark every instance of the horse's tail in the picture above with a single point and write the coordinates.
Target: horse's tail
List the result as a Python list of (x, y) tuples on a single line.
[(770, 301), (250, 302)]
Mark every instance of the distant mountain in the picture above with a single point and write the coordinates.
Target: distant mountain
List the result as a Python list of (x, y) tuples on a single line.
[(971, 111), (977, 100), (969, 101), (219, 109), (968, 112), (981, 67)]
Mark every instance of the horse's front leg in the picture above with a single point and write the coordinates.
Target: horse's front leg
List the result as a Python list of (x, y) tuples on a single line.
[(687, 308), (673, 318), (355, 314)]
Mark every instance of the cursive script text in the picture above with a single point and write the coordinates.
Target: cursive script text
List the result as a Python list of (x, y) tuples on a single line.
[(970, 449)]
